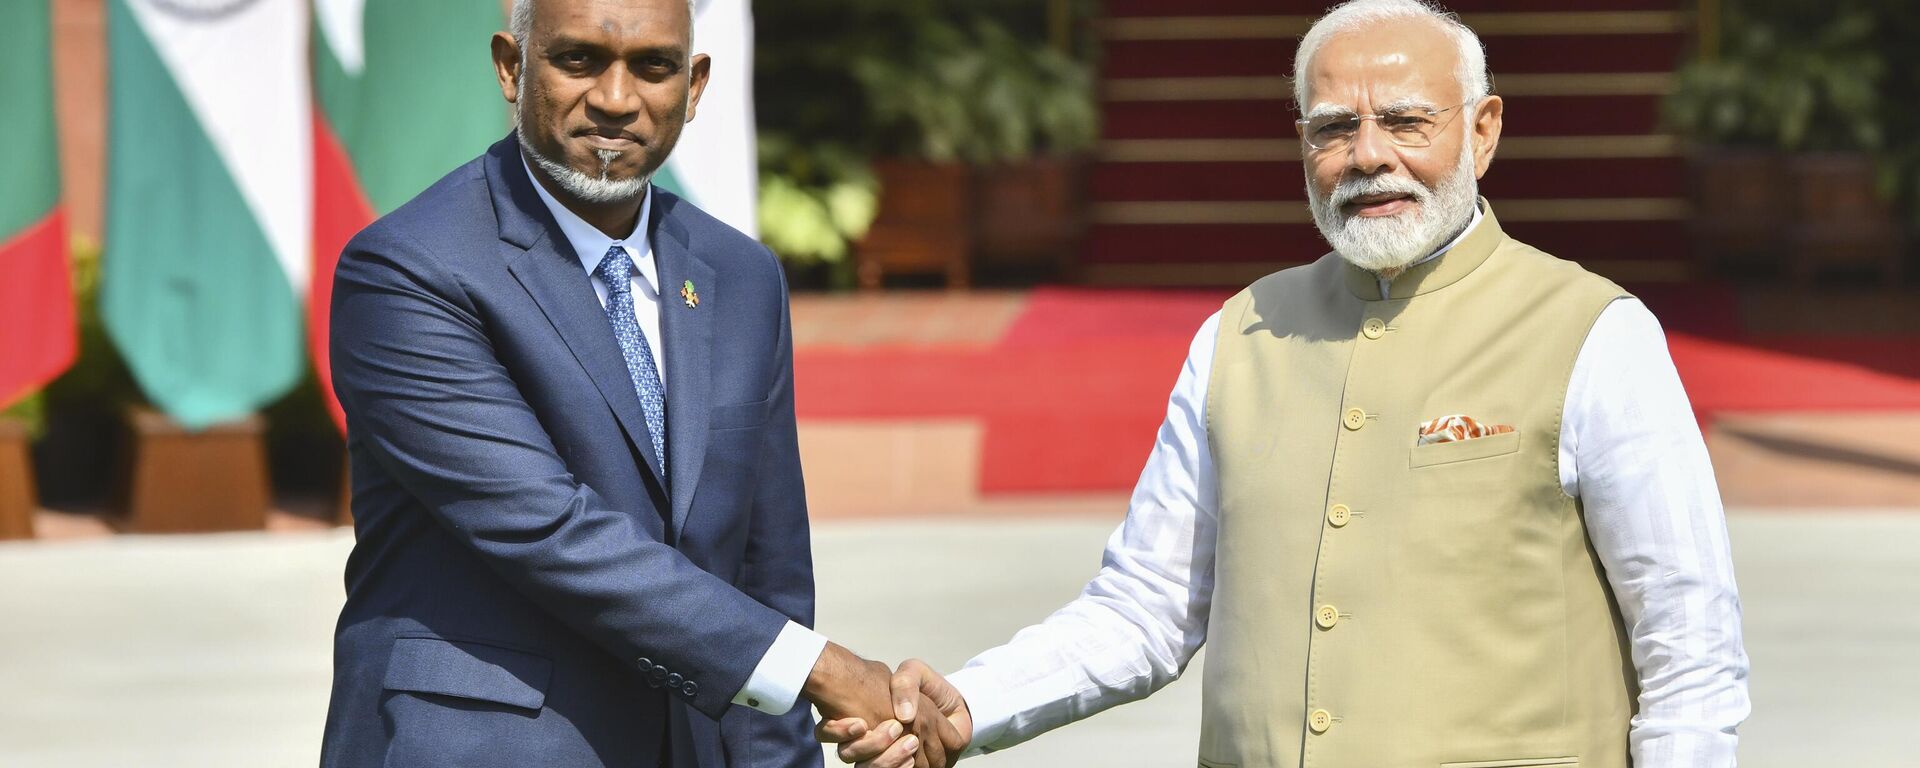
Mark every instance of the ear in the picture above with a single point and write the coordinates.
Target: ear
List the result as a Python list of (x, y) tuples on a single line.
[(697, 82), (1486, 133), (506, 66)]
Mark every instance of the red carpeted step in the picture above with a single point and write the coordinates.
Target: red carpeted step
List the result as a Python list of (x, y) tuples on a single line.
[(1515, 54), (1655, 177), (1582, 79), (1273, 118), (1112, 182), (1268, 119), (1506, 54), (1179, 245), (1125, 8), (1197, 58)]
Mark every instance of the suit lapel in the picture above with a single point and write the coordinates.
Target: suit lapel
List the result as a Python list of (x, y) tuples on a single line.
[(540, 258), (688, 334)]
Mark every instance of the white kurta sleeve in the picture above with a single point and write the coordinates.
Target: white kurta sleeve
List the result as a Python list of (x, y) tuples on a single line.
[(1631, 451), (1139, 621)]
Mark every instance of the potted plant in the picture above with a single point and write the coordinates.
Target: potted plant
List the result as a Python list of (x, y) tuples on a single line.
[(815, 201), (925, 91), (980, 127), (1787, 125), (19, 423), (1038, 110)]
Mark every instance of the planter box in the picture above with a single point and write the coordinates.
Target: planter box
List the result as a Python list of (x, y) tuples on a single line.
[(925, 224), (1741, 205), (1031, 216), (18, 501), (1840, 219), (193, 482)]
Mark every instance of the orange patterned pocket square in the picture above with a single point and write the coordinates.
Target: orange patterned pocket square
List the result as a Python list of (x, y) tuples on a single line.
[(1449, 429)]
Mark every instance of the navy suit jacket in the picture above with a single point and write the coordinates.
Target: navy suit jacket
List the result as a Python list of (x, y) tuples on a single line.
[(526, 588)]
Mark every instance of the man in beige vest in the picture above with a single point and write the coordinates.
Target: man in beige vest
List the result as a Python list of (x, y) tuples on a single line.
[(1437, 499)]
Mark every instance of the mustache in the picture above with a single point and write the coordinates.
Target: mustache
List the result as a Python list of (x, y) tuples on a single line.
[(1380, 184)]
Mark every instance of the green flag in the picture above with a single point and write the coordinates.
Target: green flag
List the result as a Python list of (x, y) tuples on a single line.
[(208, 200)]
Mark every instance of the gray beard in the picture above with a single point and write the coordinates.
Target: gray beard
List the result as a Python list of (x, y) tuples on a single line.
[(589, 189), (1388, 244)]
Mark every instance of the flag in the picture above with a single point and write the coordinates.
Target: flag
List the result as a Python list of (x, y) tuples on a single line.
[(716, 165), (36, 296), (208, 200), (403, 93)]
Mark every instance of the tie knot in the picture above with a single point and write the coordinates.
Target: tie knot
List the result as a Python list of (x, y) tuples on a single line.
[(616, 270)]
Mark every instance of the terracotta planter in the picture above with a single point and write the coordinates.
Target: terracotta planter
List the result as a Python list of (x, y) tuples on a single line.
[(18, 501), (1840, 219), (1031, 216), (1741, 205), (193, 482), (924, 225)]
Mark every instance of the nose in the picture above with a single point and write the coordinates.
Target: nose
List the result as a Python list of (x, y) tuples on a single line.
[(615, 93), (1372, 152)]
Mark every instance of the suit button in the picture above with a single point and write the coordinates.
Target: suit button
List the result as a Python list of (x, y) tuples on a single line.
[(1374, 328), (673, 680), (752, 702), (1320, 721), (1338, 515), (644, 663), (658, 673), (1326, 616), (1354, 418), (690, 689)]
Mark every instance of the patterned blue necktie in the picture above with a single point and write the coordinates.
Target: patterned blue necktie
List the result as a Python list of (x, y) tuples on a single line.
[(616, 270)]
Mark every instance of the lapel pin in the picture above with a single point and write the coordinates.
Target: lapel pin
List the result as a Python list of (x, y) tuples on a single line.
[(688, 295)]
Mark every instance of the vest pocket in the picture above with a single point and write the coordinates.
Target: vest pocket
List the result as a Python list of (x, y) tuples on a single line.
[(1533, 762), (1466, 450)]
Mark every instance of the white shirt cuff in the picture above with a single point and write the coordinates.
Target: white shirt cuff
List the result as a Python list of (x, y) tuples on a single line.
[(775, 684), (985, 703)]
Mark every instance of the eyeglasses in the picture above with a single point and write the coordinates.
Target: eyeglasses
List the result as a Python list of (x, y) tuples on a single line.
[(1410, 127)]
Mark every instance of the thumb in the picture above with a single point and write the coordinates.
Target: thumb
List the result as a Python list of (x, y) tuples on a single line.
[(906, 689)]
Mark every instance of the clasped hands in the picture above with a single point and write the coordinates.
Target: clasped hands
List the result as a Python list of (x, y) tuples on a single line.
[(887, 719)]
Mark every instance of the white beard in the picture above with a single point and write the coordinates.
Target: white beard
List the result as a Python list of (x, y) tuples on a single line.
[(585, 188), (1388, 244)]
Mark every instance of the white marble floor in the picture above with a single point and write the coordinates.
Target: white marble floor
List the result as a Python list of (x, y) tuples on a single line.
[(211, 651)]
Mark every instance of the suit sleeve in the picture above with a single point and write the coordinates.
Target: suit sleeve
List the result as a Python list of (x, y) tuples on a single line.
[(779, 565), (428, 399)]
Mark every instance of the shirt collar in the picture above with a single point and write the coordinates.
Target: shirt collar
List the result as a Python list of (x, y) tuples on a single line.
[(1385, 284), (590, 244)]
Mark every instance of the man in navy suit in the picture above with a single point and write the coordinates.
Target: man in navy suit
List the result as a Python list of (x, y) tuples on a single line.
[(582, 533)]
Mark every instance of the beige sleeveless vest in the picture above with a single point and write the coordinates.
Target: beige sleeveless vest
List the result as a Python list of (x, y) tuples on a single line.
[(1379, 604)]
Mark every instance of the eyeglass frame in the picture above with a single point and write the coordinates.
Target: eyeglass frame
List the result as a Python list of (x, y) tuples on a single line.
[(1300, 125)]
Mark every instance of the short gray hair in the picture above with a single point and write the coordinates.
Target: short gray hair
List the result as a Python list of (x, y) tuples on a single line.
[(520, 21), (1348, 16)]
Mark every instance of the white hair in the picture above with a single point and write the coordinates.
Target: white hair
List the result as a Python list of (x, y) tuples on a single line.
[(1349, 16), (520, 21)]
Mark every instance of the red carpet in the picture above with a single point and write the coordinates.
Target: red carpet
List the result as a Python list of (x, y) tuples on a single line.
[(1072, 395)]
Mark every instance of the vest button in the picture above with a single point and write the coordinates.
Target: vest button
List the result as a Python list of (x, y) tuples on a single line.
[(1354, 418), (1374, 328), (1320, 721), (1326, 616), (1339, 515)]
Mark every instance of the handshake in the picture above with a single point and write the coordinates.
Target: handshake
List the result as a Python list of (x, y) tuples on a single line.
[(887, 719)]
